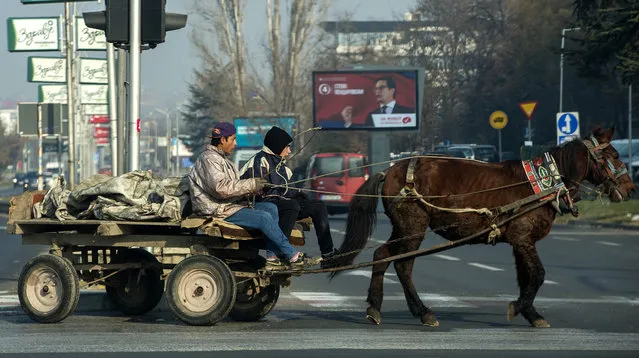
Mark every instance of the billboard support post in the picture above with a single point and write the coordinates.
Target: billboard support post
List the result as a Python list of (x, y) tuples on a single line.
[(40, 178)]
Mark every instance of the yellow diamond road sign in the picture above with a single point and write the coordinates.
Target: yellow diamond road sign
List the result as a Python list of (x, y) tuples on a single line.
[(498, 119), (528, 108)]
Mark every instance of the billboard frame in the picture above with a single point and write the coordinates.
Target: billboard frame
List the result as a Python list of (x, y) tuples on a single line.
[(357, 69)]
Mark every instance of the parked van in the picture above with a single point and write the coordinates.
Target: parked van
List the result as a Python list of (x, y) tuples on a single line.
[(341, 175)]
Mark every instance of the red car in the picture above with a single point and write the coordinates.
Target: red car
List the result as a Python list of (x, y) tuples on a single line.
[(340, 175)]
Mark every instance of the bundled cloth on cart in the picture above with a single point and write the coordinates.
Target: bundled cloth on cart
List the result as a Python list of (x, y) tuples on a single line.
[(135, 196)]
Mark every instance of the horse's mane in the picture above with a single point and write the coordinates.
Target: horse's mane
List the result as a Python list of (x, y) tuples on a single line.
[(565, 156)]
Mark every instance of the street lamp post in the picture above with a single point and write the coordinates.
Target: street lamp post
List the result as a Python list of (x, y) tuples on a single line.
[(168, 138), (561, 66)]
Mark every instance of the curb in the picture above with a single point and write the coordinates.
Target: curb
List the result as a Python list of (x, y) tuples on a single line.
[(90, 301)]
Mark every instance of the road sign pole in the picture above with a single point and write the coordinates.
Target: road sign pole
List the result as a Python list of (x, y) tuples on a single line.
[(499, 131), (70, 94), (530, 130)]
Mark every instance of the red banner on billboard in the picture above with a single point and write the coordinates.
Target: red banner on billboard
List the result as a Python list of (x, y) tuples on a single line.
[(101, 132), (102, 140), (366, 99), (99, 119)]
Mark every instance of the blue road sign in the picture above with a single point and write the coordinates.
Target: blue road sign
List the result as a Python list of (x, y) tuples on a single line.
[(567, 126), (568, 123)]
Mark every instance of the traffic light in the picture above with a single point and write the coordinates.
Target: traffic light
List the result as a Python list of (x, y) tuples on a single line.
[(155, 22)]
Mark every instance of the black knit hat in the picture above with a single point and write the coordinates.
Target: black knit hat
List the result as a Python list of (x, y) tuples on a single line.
[(277, 139)]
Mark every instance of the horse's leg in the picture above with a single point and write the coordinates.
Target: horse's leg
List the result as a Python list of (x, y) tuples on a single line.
[(530, 277), (404, 269), (376, 288)]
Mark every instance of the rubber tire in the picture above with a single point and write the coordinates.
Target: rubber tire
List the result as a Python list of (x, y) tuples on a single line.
[(151, 287), (219, 273), (257, 308), (70, 282)]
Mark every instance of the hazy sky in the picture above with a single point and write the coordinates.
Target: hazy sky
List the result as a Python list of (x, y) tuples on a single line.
[(167, 69)]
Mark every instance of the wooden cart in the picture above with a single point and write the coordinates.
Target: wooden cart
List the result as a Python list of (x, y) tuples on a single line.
[(222, 276)]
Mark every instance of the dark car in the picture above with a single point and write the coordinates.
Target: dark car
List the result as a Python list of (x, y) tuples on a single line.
[(30, 181), (18, 180)]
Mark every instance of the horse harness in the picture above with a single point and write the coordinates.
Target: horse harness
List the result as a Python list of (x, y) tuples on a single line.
[(595, 151)]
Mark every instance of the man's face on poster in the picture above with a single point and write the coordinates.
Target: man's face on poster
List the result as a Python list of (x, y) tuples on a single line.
[(384, 94)]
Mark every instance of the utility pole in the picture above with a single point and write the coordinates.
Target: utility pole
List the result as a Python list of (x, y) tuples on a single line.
[(630, 171), (70, 93)]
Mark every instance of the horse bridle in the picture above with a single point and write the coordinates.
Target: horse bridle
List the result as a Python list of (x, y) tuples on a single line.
[(595, 151)]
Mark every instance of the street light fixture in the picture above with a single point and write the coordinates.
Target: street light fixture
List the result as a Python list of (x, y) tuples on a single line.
[(561, 66)]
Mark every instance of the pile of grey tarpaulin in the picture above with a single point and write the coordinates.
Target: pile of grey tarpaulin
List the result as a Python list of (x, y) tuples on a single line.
[(135, 196)]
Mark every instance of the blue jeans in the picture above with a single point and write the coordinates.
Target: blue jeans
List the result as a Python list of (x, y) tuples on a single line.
[(265, 218)]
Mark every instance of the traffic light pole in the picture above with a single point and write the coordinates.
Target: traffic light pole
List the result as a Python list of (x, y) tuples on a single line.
[(122, 104), (135, 43), (113, 109), (70, 94)]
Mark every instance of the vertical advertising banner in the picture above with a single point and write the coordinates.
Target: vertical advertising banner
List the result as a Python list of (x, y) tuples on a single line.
[(33, 34), (52, 93), (46, 69), (88, 39), (93, 70), (366, 99)]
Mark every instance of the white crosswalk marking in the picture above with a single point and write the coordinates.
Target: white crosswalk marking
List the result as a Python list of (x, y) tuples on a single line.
[(550, 282), (446, 257), (486, 267), (335, 301), (369, 274), (564, 238), (608, 243)]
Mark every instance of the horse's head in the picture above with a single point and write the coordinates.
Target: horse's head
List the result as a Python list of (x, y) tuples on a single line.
[(604, 166)]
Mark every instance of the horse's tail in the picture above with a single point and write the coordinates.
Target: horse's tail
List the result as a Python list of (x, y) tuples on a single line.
[(362, 216)]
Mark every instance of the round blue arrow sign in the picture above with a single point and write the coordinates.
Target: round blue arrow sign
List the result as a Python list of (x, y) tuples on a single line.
[(567, 123)]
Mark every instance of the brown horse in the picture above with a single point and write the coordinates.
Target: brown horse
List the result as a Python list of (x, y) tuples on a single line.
[(440, 181)]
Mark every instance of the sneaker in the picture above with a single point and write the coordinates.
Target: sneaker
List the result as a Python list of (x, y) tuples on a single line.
[(301, 260), (274, 263)]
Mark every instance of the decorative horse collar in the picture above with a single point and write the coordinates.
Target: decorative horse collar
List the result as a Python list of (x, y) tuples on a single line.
[(543, 175)]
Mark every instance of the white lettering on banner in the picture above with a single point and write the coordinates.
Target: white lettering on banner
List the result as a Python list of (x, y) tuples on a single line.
[(349, 92), (394, 120), (340, 89)]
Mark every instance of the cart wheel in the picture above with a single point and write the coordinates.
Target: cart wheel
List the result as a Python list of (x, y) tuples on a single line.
[(201, 290), (254, 307), (48, 288), (133, 292)]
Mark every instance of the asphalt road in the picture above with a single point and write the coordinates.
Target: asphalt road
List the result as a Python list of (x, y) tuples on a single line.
[(590, 298)]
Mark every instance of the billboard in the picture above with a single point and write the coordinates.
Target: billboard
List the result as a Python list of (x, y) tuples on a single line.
[(251, 131), (33, 34), (366, 99)]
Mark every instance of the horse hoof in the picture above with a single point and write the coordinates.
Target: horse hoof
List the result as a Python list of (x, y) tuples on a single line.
[(373, 315), (511, 311), (540, 323), (429, 319)]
